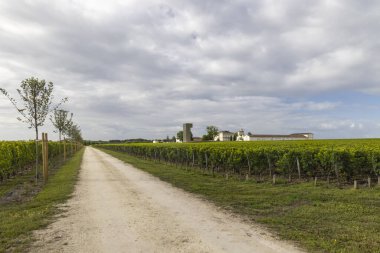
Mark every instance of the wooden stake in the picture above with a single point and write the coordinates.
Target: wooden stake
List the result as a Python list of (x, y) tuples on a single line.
[(246, 177), (47, 156), (43, 154), (249, 164), (274, 179), (315, 181), (298, 168), (355, 184), (369, 182), (64, 150), (227, 176), (206, 161)]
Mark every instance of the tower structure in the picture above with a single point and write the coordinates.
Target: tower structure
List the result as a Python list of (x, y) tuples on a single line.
[(187, 132)]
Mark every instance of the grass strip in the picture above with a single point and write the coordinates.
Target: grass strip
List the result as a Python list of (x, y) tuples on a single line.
[(17, 221), (319, 219)]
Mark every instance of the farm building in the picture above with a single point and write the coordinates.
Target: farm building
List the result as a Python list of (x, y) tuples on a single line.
[(273, 137), (224, 136)]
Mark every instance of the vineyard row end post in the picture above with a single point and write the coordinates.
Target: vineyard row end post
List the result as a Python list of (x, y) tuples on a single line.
[(45, 155), (64, 150)]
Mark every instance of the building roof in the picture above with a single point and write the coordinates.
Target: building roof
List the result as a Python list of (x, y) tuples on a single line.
[(278, 136), (225, 132)]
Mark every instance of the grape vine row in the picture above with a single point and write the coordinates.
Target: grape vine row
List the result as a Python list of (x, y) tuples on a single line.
[(342, 160)]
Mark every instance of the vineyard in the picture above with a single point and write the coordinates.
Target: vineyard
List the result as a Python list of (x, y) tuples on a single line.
[(16, 156), (342, 161)]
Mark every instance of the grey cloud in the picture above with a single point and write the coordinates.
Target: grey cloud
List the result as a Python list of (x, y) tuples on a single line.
[(144, 69)]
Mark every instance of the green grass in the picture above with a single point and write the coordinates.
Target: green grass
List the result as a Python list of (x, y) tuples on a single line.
[(18, 220), (319, 219)]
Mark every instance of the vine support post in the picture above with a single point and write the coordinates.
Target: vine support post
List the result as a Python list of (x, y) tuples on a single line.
[(298, 168), (36, 176), (206, 162), (269, 166), (64, 150), (45, 155), (249, 165)]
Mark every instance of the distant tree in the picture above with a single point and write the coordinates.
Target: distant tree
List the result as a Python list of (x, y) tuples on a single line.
[(212, 131), (74, 133), (37, 98), (180, 135), (61, 121), (173, 139)]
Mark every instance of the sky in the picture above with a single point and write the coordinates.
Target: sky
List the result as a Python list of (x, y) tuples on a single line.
[(140, 69)]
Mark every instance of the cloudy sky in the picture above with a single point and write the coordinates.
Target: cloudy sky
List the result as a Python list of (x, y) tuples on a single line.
[(142, 68)]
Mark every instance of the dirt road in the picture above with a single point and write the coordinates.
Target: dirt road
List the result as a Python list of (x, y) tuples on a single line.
[(118, 208)]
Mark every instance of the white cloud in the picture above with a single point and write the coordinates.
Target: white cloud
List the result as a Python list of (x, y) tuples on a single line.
[(135, 68)]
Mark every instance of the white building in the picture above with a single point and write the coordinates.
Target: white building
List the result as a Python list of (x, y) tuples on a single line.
[(273, 137), (224, 136)]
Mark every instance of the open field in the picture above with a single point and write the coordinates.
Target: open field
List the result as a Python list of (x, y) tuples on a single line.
[(321, 219), (18, 219)]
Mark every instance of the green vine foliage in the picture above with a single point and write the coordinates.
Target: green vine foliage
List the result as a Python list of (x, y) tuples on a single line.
[(342, 160), (16, 156)]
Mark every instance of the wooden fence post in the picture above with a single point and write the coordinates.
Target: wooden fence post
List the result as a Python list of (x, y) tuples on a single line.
[(298, 168), (249, 164), (64, 150), (369, 182), (274, 178), (206, 161), (355, 184), (45, 154)]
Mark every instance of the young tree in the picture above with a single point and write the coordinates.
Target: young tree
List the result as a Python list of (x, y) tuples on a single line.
[(37, 97), (74, 132), (61, 121)]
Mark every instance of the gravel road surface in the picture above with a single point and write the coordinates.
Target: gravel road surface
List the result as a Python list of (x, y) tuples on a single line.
[(118, 208)]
